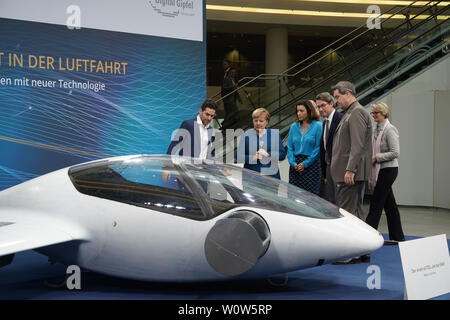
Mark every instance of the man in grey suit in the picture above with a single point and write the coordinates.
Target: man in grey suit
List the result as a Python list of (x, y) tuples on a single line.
[(352, 150)]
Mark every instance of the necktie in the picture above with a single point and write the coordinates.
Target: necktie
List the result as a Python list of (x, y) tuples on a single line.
[(327, 131)]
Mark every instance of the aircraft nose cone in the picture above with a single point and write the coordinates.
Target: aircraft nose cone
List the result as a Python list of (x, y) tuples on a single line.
[(358, 237), (370, 240)]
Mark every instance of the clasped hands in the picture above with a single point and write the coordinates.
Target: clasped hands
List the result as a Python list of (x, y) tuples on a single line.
[(260, 154), (299, 167)]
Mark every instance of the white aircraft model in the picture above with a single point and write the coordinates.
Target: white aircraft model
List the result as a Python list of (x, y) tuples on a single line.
[(120, 217)]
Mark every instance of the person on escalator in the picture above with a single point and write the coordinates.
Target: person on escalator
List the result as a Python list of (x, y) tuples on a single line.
[(230, 98)]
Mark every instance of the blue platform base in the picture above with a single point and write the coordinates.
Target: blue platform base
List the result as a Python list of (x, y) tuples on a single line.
[(30, 276)]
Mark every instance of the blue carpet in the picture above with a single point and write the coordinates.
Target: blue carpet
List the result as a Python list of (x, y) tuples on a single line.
[(30, 273)]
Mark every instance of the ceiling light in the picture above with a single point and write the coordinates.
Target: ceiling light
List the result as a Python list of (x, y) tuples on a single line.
[(311, 13), (383, 2)]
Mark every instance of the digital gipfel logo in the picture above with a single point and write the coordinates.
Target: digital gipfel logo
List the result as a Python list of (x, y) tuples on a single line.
[(173, 8)]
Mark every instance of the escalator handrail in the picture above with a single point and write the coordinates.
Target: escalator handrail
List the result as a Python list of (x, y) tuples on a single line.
[(265, 76)]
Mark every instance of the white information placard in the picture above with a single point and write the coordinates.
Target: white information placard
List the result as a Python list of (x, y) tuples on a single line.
[(426, 267)]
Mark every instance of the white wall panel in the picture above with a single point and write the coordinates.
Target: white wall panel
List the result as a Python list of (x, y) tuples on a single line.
[(414, 118), (420, 109), (442, 149)]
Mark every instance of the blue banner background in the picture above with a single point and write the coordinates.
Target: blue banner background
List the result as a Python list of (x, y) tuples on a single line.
[(44, 129)]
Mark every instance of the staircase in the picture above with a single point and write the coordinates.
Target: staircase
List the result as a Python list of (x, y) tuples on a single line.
[(375, 60)]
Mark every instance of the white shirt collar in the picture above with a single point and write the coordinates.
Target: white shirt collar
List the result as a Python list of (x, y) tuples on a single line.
[(330, 117), (200, 123), (204, 138)]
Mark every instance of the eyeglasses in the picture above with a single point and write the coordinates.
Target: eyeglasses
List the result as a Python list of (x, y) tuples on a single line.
[(375, 112), (322, 105)]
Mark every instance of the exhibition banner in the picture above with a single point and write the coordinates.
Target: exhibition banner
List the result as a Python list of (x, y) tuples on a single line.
[(70, 95), (179, 19), (426, 267)]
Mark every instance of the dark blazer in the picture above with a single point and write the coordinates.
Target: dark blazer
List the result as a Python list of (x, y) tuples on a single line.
[(226, 84), (187, 140), (228, 87), (333, 125)]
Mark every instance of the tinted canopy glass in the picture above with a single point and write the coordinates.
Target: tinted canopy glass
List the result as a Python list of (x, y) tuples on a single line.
[(193, 189)]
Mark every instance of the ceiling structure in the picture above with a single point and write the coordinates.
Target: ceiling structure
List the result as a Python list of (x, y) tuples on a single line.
[(237, 28), (300, 17)]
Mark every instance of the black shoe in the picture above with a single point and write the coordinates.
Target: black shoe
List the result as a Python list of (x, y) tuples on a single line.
[(349, 261), (392, 242), (365, 258)]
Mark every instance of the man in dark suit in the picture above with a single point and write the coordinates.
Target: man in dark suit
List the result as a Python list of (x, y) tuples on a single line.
[(195, 136), (351, 164), (230, 99), (325, 103), (226, 65)]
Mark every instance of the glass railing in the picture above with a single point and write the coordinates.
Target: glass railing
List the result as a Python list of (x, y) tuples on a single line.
[(370, 58)]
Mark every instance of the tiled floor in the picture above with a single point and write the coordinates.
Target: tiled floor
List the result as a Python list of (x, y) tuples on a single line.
[(419, 221)]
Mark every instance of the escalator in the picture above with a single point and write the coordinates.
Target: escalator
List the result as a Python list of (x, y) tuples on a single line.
[(375, 60)]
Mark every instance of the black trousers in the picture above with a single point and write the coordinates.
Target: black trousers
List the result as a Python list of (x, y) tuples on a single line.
[(383, 197), (328, 190)]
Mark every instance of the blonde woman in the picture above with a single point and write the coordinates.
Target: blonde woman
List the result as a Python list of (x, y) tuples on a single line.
[(261, 148), (386, 149)]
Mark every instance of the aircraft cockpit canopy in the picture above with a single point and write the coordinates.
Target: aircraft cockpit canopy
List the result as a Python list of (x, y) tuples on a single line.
[(193, 188)]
